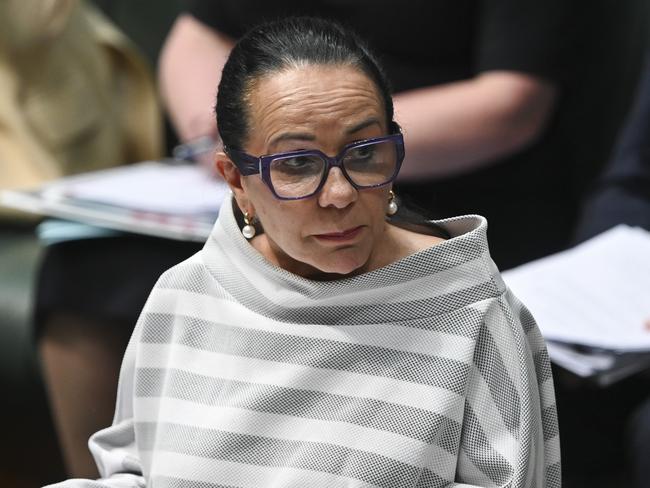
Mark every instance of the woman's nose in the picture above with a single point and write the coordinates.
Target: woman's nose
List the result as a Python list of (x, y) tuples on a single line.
[(337, 190)]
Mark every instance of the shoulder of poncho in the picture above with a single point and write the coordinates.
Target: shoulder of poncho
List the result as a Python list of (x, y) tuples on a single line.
[(186, 272)]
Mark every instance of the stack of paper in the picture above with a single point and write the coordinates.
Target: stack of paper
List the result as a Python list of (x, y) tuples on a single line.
[(155, 198), (592, 302)]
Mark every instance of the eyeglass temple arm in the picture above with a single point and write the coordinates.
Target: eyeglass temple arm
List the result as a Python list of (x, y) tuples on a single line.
[(246, 164)]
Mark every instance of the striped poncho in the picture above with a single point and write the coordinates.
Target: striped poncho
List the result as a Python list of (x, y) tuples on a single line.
[(425, 373)]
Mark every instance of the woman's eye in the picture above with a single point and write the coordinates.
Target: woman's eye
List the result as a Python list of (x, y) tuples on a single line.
[(364, 152), (298, 164)]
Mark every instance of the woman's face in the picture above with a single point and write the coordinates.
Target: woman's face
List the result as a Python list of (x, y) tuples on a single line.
[(340, 229)]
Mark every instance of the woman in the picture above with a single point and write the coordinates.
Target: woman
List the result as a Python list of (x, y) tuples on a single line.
[(313, 342)]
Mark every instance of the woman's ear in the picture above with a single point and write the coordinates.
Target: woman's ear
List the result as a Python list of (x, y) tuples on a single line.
[(228, 171), (231, 175)]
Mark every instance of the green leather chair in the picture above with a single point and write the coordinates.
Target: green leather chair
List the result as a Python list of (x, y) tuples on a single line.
[(29, 451)]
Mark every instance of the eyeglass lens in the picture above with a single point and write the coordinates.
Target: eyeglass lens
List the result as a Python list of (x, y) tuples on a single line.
[(367, 165)]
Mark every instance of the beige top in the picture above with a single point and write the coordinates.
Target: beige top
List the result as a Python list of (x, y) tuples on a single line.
[(74, 94)]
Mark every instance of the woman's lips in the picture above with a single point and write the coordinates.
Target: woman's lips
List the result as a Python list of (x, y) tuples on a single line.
[(346, 235)]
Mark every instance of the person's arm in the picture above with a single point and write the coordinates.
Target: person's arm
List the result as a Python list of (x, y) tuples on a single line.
[(190, 70), (510, 433), (461, 126)]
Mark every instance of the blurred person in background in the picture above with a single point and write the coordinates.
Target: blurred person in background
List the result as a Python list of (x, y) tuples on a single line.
[(621, 195), (75, 96)]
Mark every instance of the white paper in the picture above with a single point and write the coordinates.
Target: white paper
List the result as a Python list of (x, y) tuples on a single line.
[(152, 198), (579, 363), (596, 294), (147, 187)]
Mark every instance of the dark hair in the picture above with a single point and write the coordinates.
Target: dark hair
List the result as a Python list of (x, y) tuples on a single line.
[(273, 46)]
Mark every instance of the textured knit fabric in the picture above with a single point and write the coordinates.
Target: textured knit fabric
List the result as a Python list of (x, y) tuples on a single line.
[(425, 373)]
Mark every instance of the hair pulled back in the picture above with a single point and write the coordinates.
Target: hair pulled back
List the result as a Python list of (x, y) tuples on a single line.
[(278, 45)]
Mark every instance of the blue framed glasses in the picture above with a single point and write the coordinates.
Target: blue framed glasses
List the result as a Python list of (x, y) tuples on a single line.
[(295, 175)]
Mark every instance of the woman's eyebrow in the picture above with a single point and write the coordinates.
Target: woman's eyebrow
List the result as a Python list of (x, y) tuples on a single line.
[(298, 136), (363, 125)]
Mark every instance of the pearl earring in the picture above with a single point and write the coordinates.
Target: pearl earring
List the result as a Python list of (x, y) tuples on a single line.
[(392, 203), (248, 230)]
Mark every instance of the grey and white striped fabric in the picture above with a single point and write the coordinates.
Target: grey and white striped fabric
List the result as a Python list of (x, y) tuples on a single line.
[(426, 373)]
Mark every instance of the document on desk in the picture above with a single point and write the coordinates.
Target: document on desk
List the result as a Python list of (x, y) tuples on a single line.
[(596, 294), (147, 187), (155, 198)]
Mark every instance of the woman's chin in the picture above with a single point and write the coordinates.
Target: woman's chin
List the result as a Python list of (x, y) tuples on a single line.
[(342, 266)]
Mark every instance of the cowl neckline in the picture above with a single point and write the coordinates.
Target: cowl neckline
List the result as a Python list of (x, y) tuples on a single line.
[(231, 258)]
